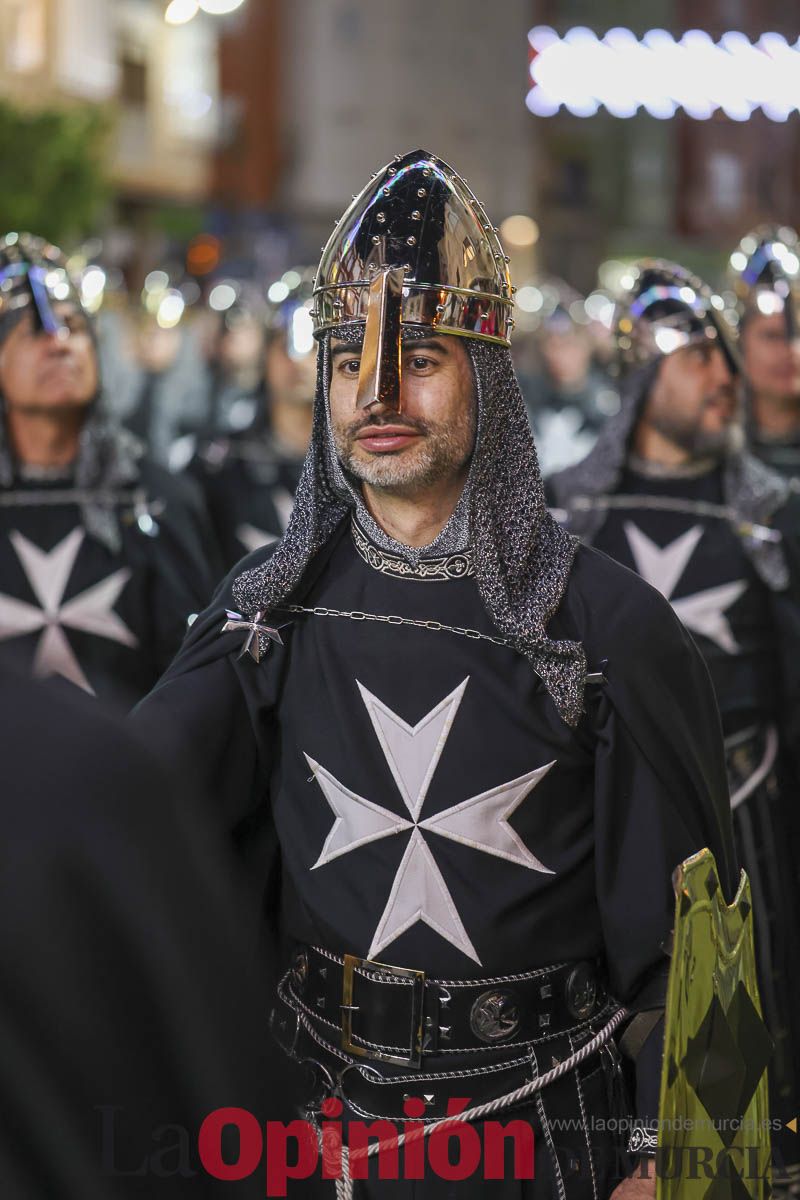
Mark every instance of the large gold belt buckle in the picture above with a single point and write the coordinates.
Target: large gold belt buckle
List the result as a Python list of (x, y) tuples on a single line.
[(349, 1007)]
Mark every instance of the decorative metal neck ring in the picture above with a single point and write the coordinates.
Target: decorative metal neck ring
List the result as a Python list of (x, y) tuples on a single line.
[(448, 567)]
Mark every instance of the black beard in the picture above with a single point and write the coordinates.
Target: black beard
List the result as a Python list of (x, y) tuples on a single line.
[(698, 442)]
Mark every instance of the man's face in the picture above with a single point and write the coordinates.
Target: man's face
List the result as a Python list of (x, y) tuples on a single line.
[(693, 401), (566, 356), (289, 379), (771, 360), (430, 441), (47, 372), (241, 344)]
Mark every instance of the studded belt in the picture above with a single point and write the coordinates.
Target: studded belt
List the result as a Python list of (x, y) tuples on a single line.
[(397, 1015)]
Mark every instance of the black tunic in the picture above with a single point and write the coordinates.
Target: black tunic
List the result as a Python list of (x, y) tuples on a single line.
[(682, 538), (781, 454), (430, 806), (749, 635), (108, 621)]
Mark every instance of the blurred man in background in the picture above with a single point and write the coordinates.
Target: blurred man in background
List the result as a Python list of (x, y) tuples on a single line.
[(669, 491), (249, 477), (766, 283), (157, 378), (568, 398), (103, 555), (232, 343)]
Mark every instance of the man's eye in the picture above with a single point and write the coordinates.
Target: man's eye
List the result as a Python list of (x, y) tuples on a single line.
[(352, 366), (419, 363)]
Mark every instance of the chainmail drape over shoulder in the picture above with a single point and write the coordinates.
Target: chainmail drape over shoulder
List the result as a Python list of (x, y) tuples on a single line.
[(750, 488), (522, 557)]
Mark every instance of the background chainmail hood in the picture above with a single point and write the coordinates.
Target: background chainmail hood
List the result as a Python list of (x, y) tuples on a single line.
[(751, 489), (522, 557), (108, 459)]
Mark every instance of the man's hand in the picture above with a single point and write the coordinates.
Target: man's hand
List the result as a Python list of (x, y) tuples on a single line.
[(640, 1186)]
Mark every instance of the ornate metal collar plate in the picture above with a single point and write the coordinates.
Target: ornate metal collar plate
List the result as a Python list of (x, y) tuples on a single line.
[(450, 566)]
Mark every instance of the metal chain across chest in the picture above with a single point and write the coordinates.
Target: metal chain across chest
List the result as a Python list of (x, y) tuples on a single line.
[(699, 508), (434, 626)]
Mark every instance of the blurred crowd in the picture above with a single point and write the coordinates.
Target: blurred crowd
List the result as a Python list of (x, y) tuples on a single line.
[(153, 437), (230, 374), (192, 406)]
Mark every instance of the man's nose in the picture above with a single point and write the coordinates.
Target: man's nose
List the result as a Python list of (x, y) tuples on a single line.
[(722, 375), (380, 410), (56, 341)]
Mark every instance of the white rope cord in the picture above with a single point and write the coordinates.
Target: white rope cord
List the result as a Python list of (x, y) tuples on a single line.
[(344, 1186)]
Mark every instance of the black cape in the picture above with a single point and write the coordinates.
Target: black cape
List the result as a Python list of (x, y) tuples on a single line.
[(249, 486), (133, 1001)]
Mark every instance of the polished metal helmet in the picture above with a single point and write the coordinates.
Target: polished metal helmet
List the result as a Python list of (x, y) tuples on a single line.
[(415, 248), (34, 277), (665, 309), (765, 274)]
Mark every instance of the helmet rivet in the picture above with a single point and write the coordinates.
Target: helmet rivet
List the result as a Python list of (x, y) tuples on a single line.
[(411, 241), (421, 192), (416, 215), (376, 241), (380, 217), (392, 171), (426, 171), (386, 192)]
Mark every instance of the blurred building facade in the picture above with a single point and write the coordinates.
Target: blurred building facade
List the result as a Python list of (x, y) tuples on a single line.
[(160, 81), (682, 188), (258, 126), (366, 81)]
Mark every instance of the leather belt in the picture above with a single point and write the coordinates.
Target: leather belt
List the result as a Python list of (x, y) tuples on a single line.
[(398, 1015)]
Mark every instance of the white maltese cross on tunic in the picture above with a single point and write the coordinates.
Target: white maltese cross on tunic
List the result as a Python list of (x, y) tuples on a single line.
[(419, 892)]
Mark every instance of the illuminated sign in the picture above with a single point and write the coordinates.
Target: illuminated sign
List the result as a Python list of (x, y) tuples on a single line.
[(660, 75)]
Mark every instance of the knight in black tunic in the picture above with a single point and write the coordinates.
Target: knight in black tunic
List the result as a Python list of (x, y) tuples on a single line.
[(103, 555), (670, 493), (464, 755), (249, 476), (766, 271)]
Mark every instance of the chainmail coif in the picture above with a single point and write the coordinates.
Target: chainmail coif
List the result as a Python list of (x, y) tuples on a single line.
[(107, 460), (522, 557), (750, 489)]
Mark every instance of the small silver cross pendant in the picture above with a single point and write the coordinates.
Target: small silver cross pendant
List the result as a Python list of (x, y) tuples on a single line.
[(253, 627)]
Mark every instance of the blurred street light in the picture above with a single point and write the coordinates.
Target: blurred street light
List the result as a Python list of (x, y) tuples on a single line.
[(519, 230), (220, 7), (180, 11), (660, 74)]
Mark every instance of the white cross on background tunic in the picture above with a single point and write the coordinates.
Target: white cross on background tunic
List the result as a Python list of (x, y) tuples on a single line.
[(48, 573), (702, 612), (419, 892)]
